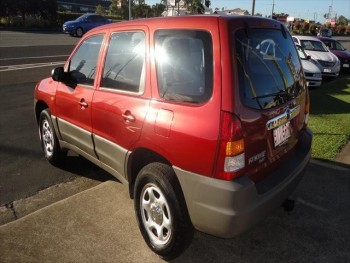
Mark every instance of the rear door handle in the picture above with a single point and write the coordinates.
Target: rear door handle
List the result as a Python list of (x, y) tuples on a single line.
[(83, 103), (128, 116)]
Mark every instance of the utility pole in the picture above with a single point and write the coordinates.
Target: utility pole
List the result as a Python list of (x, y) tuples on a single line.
[(330, 11), (273, 7), (129, 9), (253, 7)]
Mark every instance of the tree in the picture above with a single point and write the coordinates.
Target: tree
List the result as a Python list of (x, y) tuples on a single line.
[(197, 6), (296, 27), (124, 9), (47, 9), (342, 21), (113, 8), (7, 8), (100, 10), (305, 27), (158, 9)]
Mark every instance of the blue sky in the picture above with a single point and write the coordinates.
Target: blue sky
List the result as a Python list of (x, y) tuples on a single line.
[(307, 9)]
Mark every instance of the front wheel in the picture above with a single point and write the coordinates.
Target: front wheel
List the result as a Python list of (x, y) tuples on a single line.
[(161, 211), (49, 141)]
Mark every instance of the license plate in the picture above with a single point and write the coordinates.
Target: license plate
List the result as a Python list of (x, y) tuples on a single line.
[(327, 70), (281, 134), (345, 65)]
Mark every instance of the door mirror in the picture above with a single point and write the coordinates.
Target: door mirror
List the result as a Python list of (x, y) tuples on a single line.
[(57, 74)]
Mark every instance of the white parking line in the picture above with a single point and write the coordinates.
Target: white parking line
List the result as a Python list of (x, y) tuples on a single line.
[(4, 59), (29, 66)]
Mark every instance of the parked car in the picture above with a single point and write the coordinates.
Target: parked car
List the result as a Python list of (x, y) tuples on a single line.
[(206, 130), (311, 68), (84, 23), (318, 51), (337, 49), (325, 32)]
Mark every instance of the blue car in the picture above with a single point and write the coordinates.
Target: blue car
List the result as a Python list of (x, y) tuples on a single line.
[(84, 23)]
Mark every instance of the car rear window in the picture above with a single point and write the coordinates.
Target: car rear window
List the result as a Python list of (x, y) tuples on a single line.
[(184, 62), (269, 68)]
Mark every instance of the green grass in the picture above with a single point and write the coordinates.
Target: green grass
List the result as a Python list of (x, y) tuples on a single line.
[(330, 117)]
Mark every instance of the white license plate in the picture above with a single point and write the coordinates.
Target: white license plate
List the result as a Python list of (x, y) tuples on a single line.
[(281, 134), (327, 70), (346, 65)]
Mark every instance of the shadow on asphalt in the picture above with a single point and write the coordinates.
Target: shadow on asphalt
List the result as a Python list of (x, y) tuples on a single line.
[(80, 166)]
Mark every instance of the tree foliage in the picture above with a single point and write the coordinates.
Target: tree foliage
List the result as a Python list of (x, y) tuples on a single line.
[(45, 8), (100, 10), (342, 21)]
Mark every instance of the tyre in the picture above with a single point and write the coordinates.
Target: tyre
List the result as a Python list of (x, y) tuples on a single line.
[(49, 141), (161, 211), (79, 32)]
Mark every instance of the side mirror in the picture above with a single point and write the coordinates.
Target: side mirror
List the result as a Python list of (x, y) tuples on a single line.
[(57, 74), (308, 57)]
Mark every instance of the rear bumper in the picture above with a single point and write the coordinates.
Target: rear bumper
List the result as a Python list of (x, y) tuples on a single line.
[(228, 208)]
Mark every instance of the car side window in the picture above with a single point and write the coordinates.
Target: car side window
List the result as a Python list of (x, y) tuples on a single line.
[(184, 63), (125, 61), (82, 66)]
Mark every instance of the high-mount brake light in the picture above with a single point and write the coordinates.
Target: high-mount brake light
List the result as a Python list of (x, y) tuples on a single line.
[(231, 158)]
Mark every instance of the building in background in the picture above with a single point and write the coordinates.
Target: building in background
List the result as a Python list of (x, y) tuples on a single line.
[(82, 5)]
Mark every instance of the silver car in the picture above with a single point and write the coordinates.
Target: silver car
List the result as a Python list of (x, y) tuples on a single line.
[(311, 68), (330, 64)]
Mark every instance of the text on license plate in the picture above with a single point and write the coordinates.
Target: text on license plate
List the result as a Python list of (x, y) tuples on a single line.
[(328, 70), (281, 134)]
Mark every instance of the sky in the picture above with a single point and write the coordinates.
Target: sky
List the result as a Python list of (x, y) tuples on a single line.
[(306, 9)]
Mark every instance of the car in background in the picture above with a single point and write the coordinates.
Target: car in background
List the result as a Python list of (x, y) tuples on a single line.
[(311, 68), (337, 49), (325, 32), (84, 23), (318, 51)]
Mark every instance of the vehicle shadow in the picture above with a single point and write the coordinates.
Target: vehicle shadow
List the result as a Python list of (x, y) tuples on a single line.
[(80, 166), (317, 230)]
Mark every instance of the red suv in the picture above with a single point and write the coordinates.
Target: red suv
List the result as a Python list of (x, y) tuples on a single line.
[(203, 118)]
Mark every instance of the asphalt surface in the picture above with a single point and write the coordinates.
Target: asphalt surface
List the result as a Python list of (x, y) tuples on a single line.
[(68, 215)]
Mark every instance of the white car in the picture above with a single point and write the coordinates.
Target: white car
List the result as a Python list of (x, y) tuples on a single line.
[(318, 51), (311, 68)]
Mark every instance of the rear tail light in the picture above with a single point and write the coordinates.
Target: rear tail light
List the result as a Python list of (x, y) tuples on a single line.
[(231, 159)]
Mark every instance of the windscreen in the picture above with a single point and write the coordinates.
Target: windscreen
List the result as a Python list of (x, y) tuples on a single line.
[(269, 68)]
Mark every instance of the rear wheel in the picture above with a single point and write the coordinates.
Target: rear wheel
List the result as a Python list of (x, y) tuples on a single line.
[(161, 211), (49, 141)]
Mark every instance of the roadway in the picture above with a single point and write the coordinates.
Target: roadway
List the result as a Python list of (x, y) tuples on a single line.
[(25, 58)]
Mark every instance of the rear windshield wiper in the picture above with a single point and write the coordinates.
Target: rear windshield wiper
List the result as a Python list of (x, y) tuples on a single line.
[(282, 93)]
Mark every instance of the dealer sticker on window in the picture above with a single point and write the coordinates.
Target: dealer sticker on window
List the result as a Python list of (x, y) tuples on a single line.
[(281, 134)]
